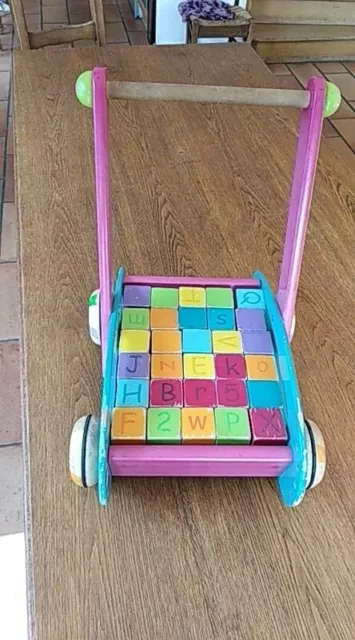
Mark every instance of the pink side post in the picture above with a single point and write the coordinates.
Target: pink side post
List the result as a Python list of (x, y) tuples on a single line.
[(220, 461), (102, 194), (309, 136)]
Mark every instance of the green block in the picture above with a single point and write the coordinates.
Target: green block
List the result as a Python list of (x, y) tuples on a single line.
[(135, 318), (218, 297), (232, 426), (165, 298), (164, 426)]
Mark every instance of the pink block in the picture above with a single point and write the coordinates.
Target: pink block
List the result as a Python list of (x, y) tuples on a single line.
[(231, 393), (199, 393), (267, 426), (230, 366), (165, 393)]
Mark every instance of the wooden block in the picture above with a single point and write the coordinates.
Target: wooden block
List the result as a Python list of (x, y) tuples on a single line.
[(166, 341), (166, 366), (196, 341), (218, 318), (257, 342), (232, 426), (230, 366), (226, 342), (164, 297), (128, 426), (231, 393), (164, 426), (264, 394), (133, 365), (197, 426), (132, 392), (267, 426), (166, 393), (192, 318), (200, 393), (198, 366), (134, 341), (192, 297), (250, 319), (135, 318), (136, 295), (220, 297), (163, 318), (250, 299), (261, 367)]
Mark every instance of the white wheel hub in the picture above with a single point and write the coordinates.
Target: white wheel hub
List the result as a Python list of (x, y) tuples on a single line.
[(316, 456), (83, 451), (94, 316)]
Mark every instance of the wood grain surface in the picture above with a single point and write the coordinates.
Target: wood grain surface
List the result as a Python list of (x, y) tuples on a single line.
[(196, 190)]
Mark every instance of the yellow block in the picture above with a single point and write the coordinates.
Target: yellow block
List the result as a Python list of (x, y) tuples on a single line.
[(128, 425), (197, 426), (261, 367), (198, 366), (226, 342), (134, 341), (163, 318), (166, 341), (166, 365), (192, 297)]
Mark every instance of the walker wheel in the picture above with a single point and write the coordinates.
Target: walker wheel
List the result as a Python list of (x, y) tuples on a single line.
[(83, 451), (94, 316), (316, 454)]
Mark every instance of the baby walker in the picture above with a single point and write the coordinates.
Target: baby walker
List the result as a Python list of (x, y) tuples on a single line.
[(197, 373)]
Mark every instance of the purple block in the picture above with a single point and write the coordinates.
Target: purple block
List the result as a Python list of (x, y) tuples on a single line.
[(257, 342), (133, 365), (250, 319), (135, 295)]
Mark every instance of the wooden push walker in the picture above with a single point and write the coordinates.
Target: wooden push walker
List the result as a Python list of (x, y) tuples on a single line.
[(201, 362)]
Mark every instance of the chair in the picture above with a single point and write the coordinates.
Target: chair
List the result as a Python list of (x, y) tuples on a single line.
[(239, 27), (92, 30)]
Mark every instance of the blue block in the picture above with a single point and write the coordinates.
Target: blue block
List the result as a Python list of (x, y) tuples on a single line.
[(192, 318), (196, 341), (222, 319), (132, 392), (249, 299), (264, 394)]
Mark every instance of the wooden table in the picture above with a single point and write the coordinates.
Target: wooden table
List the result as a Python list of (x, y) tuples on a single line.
[(196, 190)]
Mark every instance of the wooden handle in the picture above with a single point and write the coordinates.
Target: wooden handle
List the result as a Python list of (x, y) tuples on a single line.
[(204, 93)]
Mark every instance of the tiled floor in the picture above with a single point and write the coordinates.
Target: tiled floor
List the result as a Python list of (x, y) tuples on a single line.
[(123, 29)]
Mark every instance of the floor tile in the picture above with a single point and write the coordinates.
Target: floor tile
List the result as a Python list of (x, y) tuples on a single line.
[(344, 111), (10, 180), (55, 14), (328, 130), (346, 129), (139, 37), (289, 82), (350, 66), (8, 246), (3, 117), (13, 589), (5, 60), (4, 85), (304, 71), (112, 13), (343, 151), (10, 398), (9, 307), (279, 69), (346, 84), (11, 490), (10, 138), (115, 32), (330, 67), (131, 23), (2, 152)]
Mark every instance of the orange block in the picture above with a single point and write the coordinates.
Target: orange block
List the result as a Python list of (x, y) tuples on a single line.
[(197, 426), (163, 318), (128, 425), (166, 341), (261, 367), (166, 365)]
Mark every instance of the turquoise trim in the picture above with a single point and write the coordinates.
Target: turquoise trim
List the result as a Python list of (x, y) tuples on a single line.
[(108, 391), (292, 482)]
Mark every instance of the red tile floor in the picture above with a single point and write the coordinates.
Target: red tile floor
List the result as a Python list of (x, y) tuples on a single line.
[(121, 28)]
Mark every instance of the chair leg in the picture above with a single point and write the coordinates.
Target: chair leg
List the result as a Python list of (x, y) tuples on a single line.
[(19, 20), (97, 14)]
